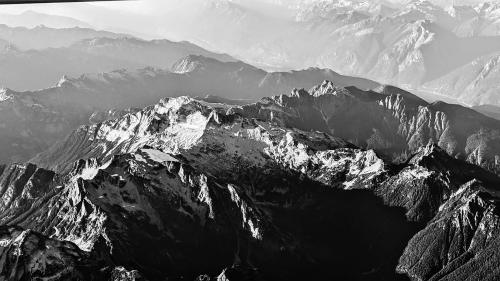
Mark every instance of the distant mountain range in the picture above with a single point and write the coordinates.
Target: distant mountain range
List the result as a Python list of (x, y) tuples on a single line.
[(475, 83), (422, 47), (42, 37), (32, 19), (417, 45), (34, 58)]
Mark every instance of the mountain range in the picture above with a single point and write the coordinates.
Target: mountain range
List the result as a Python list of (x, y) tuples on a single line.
[(388, 120), (392, 121), (186, 189)]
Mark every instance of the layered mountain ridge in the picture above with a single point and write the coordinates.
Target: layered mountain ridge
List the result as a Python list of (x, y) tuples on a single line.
[(198, 166), (45, 54), (33, 120)]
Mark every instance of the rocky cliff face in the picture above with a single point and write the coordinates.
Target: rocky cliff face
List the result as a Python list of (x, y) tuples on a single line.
[(190, 189)]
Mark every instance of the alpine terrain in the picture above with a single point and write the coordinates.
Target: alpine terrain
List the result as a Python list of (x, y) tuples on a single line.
[(265, 140), (187, 189)]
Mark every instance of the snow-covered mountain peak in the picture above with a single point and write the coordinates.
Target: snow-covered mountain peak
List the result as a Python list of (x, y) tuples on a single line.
[(5, 94), (327, 87)]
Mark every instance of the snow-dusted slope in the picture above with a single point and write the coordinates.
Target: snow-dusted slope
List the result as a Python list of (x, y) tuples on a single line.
[(177, 125)]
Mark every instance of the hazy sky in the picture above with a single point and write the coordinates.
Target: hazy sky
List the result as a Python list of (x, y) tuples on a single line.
[(135, 16), (146, 18), (149, 18), (148, 7)]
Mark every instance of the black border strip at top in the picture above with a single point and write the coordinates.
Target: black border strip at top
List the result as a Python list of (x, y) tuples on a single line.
[(7, 2)]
